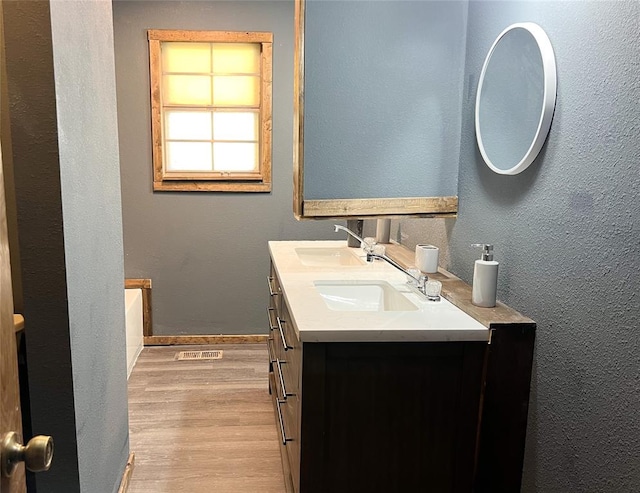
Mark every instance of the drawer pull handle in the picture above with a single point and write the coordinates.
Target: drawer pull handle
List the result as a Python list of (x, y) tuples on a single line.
[(284, 437), (271, 291), (284, 340), (272, 358), (285, 394), (269, 312)]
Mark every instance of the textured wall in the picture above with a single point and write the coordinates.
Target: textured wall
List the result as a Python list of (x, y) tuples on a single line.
[(383, 84), (90, 178), (205, 252), (567, 236), (61, 92)]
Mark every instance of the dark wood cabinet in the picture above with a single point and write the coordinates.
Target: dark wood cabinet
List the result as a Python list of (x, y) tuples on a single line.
[(402, 417), (374, 417), (389, 417)]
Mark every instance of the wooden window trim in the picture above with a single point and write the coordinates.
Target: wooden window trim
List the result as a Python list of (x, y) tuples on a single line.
[(211, 182)]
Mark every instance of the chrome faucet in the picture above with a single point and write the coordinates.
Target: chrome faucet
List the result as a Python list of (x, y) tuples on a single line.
[(365, 246), (421, 281)]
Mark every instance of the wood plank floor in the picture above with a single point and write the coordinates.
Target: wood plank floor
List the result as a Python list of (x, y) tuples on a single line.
[(203, 426)]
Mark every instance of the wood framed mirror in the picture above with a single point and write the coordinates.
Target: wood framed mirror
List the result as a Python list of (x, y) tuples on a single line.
[(377, 108)]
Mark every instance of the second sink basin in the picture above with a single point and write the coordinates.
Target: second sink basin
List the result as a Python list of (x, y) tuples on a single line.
[(365, 296), (318, 257)]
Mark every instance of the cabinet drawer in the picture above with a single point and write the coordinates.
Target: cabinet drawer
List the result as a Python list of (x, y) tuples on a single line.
[(290, 417), (284, 426), (291, 370), (273, 284), (271, 339), (271, 351), (293, 355), (287, 421), (284, 388)]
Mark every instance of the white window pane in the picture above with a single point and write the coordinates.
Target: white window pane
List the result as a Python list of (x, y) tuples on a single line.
[(236, 91), (186, 57), (188, 125), (236, 58), (235, 125), (235, 157), (186, 89), (188, 156)]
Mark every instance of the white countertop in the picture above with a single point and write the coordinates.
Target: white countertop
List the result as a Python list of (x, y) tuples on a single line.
[(316, 322)]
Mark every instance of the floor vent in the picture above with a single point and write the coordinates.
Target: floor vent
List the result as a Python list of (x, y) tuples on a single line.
[(198, 355)]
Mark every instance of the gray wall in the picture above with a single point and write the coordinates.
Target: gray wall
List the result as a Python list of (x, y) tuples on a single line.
[(65, 155), (206, 253), (567, 236), (383, 85), (92, 219)]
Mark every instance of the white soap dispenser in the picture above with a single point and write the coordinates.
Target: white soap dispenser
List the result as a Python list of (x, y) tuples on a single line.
[(485, 278)]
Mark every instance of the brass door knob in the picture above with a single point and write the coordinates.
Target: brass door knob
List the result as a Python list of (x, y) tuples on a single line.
[(37, 455)]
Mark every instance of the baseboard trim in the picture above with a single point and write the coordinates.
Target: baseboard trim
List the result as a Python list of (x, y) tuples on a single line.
[(204, 339), (126, 475)]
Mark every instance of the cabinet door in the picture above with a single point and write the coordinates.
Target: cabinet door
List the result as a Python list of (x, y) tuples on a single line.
[(395, 417)]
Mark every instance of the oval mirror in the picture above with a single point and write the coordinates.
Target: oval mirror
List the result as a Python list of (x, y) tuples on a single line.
[(516, 98)]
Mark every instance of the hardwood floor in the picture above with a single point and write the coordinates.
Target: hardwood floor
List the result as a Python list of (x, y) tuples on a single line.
[(203, 426)]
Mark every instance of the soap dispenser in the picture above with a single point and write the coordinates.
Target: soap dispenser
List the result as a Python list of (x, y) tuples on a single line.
[(485, 278)]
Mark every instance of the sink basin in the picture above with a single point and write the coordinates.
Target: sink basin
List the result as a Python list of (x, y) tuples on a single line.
[(362, 296), (318, 257)]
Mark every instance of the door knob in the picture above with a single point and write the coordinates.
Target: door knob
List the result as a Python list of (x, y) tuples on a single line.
[(37, 454)]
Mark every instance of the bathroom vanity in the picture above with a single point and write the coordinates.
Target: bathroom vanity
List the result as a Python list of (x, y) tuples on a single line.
[(377, 389)]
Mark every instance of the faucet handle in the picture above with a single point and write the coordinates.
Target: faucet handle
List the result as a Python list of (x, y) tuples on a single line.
[(432, 290), (368, 245), (379, 249)]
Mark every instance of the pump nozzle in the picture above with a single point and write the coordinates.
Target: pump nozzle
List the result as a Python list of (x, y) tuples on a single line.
[(487, 250)]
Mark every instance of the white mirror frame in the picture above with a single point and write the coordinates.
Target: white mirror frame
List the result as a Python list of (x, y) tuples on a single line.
[(548, 101)]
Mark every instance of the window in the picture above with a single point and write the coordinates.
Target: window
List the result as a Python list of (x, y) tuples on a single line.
[(211, 110)]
